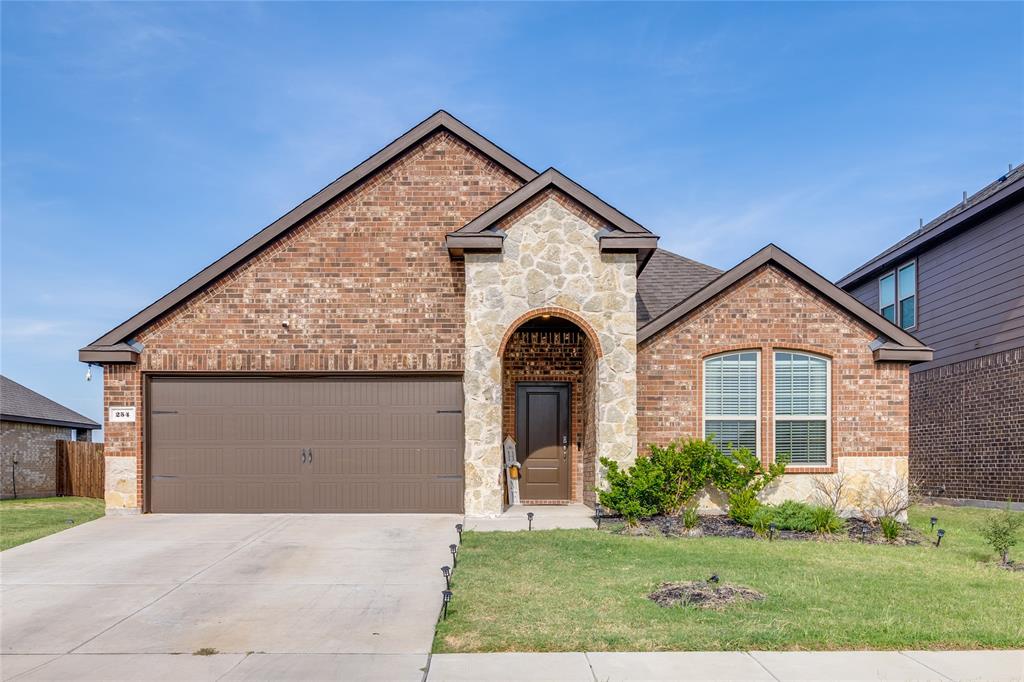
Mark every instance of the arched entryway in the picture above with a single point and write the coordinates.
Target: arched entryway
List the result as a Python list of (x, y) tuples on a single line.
[(549, 366)]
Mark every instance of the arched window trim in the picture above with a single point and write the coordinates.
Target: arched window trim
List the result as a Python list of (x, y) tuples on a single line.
[(827, 418), (756, 418)]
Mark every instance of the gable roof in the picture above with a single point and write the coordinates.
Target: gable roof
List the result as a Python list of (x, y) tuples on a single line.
[(100, 349), (993, 197), (480, 233), (900, 345), (667, 279), (21, 404)]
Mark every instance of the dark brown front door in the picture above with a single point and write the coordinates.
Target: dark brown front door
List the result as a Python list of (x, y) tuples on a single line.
[(542, 435), (276, 444)]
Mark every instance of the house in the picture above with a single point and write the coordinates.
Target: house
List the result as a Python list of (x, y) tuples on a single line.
[(370, 350), (30, 424), (957, 283)]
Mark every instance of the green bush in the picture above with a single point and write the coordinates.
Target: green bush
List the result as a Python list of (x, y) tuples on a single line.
[(1000, 531), (825, 520), (890, 528), (743, 506), (687, 465), (637, 493), (762, 519), (793, 515), (690, 517)]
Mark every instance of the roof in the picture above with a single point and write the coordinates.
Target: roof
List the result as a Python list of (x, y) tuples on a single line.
[(102, 349), (21, 404), (668, 279), (897, 344), (623, 234), (992, 197)]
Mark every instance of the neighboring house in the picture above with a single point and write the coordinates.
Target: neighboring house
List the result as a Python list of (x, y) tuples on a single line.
[(30, 424), (370, 350), (958, 284)]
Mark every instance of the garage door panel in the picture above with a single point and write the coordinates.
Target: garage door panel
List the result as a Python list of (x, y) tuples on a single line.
[(236, 445)]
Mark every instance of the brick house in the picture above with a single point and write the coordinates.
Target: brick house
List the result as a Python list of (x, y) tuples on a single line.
[(958, 284), (30, 425), (371, 350)]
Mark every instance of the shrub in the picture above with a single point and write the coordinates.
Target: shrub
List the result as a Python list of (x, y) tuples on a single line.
[(890, 528), (793, 515), (762, 519), (1000, 531), (687, 465), (690, 517), (637, 493), (741, 470), (825, 520), (742, 506)]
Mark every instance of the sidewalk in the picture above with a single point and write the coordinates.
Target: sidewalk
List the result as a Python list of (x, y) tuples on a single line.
[(987, 666)]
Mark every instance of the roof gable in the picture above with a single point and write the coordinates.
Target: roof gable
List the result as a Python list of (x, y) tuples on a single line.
[(900, 344), (623, 233), (668, 279), (107, 349)]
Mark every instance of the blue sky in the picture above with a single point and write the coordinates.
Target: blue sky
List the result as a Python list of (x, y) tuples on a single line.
[(141, 142)]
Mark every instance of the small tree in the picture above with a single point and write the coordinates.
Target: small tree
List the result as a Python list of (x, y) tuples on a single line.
[(1000, 531)]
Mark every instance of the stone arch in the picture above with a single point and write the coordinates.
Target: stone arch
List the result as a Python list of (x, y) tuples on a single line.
[(556, 312)]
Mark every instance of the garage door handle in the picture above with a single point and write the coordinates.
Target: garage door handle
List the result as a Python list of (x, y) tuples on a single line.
[(303, 455), (311, 455)]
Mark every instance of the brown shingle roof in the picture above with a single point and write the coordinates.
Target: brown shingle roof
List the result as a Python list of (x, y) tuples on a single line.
[(21, 404), (667, 279)]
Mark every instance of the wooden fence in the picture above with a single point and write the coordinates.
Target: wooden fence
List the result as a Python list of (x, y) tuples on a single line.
[(79, 469)]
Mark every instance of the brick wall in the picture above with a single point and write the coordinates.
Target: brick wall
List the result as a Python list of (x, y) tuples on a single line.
[(771, 310), (548, 356), (967, 428), (365, 284), (32, 445)]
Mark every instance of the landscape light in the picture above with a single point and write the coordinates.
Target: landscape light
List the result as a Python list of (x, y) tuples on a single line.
[(446, 596), (458, 529), (454, 549), (938, 540), (446, 571), (935, 520), (597, 514), (529, 519)]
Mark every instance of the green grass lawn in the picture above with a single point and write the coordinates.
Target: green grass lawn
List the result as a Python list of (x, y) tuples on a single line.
[(587, 591), (23, 521)]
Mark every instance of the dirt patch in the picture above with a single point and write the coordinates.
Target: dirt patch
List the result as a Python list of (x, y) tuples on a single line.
[(703, 595)]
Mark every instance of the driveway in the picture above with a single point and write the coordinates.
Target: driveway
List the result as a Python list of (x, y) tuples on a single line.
[(278, 596)]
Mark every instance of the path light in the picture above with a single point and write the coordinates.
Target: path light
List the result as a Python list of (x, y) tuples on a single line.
[(935, 520), (529, 519), (458, 529), (713, 578), (454, 549), (864, 533), (447, 597), (938, 540), (70, 522), (597, 515), (771, 532), (446, 571)]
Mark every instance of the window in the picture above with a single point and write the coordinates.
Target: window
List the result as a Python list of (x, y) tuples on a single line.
[(802, 407), (731, 400), (897, 296)]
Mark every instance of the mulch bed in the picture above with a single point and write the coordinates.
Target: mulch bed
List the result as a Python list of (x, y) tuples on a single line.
[(722, 526), (704, 595)]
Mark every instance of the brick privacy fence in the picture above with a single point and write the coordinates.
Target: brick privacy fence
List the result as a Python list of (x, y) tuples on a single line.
[(967, 428)]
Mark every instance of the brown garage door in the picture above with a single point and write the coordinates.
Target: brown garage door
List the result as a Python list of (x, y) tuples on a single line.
[(305, 445)]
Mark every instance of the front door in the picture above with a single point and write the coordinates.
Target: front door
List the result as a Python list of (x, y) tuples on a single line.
[(542, 432)]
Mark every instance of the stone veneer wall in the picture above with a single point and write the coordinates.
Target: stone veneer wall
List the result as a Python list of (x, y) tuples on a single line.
[(771, 310), (33, 445), (550, 261)]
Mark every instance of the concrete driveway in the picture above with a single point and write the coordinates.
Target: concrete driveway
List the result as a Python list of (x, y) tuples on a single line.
[(278, 596)]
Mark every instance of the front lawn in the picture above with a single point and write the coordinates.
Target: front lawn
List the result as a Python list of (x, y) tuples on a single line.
[(587, 591), (23, 521)]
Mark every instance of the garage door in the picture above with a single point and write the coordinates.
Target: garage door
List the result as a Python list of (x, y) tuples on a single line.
[(305, 445)]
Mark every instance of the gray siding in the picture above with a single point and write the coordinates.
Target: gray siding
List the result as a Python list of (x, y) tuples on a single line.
[(970, 291)]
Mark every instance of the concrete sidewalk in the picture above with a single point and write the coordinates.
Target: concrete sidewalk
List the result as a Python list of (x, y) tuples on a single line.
[(987, 666)]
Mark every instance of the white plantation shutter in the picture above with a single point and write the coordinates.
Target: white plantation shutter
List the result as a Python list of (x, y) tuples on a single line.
[(802, 404), (731, 400)]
